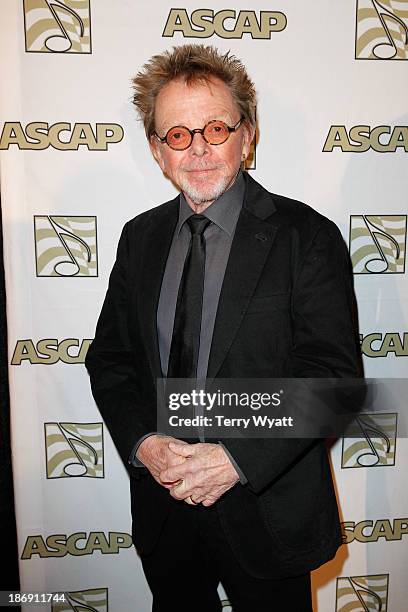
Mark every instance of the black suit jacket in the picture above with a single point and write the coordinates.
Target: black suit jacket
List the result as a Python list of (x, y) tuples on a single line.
[(285, 309)]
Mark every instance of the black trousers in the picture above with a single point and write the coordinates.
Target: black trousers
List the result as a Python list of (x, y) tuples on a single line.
[(193, 556)]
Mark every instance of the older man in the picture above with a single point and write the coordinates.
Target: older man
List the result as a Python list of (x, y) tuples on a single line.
[(226, 281)]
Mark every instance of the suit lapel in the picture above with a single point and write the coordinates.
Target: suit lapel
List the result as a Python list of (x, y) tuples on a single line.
[(157, 241), (250, 247)]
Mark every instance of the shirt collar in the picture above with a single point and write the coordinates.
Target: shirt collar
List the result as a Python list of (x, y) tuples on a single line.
[(224, 211)]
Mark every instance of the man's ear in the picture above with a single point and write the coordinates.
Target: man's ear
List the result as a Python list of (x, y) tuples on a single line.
[(155, 149), (249, 135)]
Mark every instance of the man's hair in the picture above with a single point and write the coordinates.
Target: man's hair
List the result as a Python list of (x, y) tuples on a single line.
[(192, 63)]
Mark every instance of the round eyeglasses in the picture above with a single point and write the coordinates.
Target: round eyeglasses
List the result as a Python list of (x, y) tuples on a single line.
[(215, 132)]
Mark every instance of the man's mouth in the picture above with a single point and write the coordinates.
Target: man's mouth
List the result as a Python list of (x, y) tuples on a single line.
[(198, 170)]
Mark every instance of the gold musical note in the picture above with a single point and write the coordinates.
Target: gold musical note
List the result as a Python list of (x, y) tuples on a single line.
[(81, 606), (73, 468), (60, 43), (358, 590), (387, 50), (371, 458), (378, 265), (65, 267)]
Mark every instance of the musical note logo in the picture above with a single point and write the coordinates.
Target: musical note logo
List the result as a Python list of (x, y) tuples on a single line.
[(370, 441), (65, 246), (93, 600), (378, 243), (382, 29), (74, 449), (62, 42), (57, 26), (372, 457), (362, 593)]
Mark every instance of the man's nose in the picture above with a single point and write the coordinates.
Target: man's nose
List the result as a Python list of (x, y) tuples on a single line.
[(198, 145)]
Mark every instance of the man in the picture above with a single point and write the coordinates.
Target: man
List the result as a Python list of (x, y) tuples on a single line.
[(226, 281)]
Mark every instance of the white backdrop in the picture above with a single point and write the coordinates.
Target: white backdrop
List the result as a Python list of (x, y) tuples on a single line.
[(67, 191)]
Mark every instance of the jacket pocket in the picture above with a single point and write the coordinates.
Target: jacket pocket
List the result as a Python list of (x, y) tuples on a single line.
[(268, 303)]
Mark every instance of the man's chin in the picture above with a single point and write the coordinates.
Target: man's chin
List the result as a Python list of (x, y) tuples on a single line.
[(201, 192)]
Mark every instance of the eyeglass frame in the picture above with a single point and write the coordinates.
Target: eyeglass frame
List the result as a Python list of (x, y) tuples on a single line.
[(232, 129)]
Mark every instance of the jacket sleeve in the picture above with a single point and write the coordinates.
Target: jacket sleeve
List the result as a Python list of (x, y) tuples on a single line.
[(324, 344), (112, 364)]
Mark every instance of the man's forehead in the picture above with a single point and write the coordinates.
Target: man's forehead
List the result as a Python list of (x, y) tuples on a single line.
[(200, 99), (198, 81)]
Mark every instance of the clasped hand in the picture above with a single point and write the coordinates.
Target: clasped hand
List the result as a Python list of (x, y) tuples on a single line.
[(195, 473)]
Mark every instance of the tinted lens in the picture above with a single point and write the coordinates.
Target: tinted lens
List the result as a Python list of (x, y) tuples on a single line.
[(216, 132), (178, 138)]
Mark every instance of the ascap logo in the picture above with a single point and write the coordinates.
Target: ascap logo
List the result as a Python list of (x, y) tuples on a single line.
[(204, 23), (50, 351), (382, 345), (77, 544), (74, 449), (382, 30), (370, 441), (38, 136), (378, 243), (357, 593), (65, 246), (362, 138), (372, 531), (92, 600), (57, 26)]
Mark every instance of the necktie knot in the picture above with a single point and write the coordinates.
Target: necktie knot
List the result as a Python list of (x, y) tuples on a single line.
[(197, 224)]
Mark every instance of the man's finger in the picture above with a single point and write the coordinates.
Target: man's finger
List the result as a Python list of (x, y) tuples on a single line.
[(178, 442), (209, 501), (185, 449), (172, 474), (179, 491), (183, 490)]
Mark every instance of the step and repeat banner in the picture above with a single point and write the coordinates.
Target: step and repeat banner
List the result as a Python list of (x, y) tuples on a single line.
[(332, 80)]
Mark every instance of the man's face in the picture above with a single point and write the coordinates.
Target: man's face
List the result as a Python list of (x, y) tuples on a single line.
[(203, 171)]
